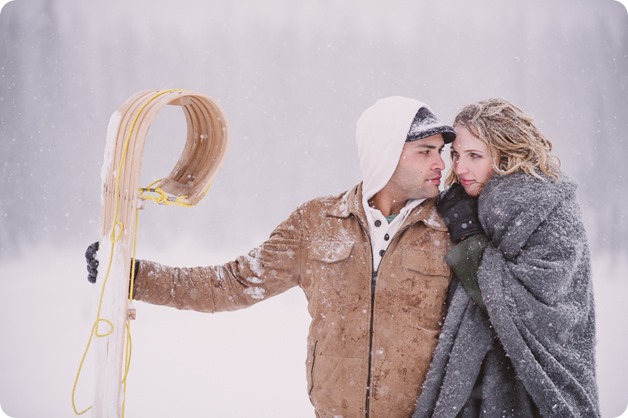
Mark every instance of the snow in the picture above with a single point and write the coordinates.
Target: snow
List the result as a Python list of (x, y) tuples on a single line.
[(255, 292), (192, 364), (112, 132), (184, 364), (255, 263)]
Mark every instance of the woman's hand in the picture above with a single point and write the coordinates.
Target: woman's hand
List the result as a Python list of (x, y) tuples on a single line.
[(460, 213)]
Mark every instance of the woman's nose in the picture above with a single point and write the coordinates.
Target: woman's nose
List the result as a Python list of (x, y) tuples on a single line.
[(459, 167)]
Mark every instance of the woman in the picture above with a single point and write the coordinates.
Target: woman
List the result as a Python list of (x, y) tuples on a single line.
[(519, 335)]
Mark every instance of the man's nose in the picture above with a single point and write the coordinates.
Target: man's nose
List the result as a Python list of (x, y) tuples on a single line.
[(440, 163)]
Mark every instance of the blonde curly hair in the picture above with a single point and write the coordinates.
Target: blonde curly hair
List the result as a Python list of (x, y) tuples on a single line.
[(515, 143)]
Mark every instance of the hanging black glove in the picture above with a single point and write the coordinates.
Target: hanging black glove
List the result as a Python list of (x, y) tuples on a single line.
[(460, 213), (92, 262)]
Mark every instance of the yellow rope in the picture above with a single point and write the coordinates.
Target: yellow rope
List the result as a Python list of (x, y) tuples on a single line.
[(162, 198), (116, 233)]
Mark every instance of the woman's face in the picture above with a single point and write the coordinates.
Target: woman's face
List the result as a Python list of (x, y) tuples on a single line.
[(472, 161)]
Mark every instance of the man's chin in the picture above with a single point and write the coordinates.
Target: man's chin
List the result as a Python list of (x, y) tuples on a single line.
[(429, 192)]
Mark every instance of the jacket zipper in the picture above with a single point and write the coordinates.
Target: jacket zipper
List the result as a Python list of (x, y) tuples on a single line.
[(368, 379)]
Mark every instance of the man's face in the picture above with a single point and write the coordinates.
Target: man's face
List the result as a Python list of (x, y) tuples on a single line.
[(418, 172)]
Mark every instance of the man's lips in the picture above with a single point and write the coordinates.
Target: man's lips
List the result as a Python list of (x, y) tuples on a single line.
[(435, 180)]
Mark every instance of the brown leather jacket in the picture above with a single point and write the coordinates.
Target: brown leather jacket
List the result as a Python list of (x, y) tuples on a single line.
[(371, 337)]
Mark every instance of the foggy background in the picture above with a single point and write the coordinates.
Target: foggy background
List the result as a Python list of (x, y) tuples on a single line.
[(292, 77)]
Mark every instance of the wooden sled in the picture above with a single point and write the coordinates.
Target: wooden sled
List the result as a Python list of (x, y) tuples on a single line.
[(187, 184)]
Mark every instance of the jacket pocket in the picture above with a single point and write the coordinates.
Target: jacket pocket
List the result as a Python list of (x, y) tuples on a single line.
[(337, 387), (310, 371), (333, 271), (423, 290), (430, 263), (331, 251)]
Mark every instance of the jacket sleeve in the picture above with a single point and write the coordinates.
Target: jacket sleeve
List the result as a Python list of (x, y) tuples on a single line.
[(266, 271)]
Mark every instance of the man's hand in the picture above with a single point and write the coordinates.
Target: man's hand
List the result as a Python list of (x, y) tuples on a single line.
[(460, 213), (92, 262)]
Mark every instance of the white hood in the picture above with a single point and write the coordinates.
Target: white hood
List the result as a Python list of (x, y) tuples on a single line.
[(380, 134)]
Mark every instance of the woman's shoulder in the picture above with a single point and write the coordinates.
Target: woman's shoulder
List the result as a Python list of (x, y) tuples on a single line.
[(523, 187), (513, 195)]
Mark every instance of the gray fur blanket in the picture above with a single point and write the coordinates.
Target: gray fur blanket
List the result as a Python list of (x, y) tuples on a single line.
[(532, 351)]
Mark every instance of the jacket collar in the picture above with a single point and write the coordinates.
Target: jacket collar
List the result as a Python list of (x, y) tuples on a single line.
[(351, 204)]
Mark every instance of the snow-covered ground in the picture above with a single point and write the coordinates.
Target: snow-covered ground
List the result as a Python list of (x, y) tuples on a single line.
[(185, 364)]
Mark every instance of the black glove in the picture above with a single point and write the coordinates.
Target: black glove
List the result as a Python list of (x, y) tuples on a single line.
[(92, 262), (460, 213)]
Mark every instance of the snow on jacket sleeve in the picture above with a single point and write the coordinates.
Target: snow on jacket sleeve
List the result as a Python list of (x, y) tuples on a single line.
[(266, 271)]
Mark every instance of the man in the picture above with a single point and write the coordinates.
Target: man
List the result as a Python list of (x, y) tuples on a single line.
[(370, 262)]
